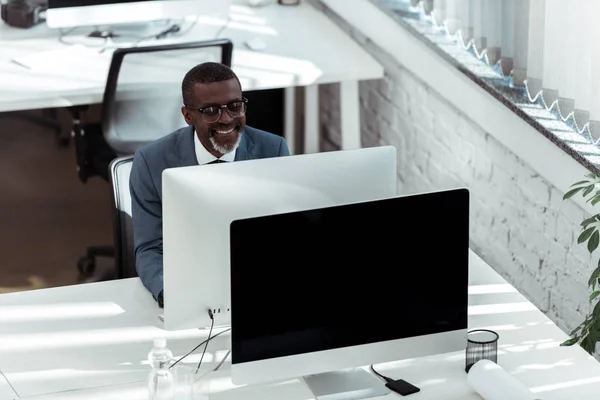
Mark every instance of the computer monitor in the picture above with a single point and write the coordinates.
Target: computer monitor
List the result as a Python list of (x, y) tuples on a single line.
[(346, 286), (74, 13), (200, 202)]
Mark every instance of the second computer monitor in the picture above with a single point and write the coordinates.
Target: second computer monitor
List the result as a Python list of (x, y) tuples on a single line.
[(348, 286), (74, 13), (200, 202)]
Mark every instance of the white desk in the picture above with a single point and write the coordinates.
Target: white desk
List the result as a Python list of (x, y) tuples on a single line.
[(6, 392), (305, 48), (50, 343)]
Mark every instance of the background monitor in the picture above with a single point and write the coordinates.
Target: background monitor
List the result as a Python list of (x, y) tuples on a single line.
[(74, 13), (200, 202), (375, 281)]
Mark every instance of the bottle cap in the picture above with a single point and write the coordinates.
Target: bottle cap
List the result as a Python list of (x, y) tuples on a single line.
[(160, 342)]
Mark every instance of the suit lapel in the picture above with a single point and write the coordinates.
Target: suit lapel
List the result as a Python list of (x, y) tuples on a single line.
[(245, 150), (184, 148)]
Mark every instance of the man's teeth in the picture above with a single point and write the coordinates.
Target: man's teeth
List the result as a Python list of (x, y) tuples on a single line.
[(224, 132)]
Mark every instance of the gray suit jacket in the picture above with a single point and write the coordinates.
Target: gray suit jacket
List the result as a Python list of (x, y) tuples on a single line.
[(175, 150)]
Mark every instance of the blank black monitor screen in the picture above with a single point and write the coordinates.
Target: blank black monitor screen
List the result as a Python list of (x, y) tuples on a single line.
[(81, 3), (349, 275)]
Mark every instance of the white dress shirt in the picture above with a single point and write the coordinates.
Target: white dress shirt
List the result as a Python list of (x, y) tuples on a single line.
[(204, 157)]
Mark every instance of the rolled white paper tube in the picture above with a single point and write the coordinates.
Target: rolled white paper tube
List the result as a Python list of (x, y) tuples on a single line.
[(492, 382)]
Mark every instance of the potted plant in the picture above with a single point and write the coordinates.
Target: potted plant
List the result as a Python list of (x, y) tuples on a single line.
[(587, 333)]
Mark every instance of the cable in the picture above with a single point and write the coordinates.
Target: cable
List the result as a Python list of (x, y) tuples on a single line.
[(385, 378), (172, 29), (212, 323), (62, 34), (194, 349), (222, 361)]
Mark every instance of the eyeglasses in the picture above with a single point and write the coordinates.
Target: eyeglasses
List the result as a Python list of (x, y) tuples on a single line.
[(211, 114)]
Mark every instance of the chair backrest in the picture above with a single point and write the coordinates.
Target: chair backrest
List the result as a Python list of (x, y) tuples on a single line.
[(142, 99), (120, 169)]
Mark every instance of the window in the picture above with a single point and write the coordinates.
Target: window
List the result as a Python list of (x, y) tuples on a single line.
[(538, 55)]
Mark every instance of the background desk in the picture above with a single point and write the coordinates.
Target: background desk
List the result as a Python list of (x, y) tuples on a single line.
[(304, 48), (99, 334)]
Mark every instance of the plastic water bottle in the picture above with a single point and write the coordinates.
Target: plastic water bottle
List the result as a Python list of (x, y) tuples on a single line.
[(160, 380)]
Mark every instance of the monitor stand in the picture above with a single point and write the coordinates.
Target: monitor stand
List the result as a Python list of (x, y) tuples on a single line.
[(351, 384), (132, 32)]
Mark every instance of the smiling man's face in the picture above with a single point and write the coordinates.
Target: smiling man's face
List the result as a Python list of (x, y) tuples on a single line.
[(224, 134)]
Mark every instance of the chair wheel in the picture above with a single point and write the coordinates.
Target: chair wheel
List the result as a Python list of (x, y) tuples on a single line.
[(86, 265)]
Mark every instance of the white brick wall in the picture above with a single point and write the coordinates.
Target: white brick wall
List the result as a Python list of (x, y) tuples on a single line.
[(519, 223)]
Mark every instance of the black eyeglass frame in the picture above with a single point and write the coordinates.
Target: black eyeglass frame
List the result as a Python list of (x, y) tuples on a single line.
[(220, 108)]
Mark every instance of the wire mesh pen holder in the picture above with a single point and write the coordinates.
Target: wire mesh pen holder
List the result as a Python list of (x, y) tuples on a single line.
[(482, 344)]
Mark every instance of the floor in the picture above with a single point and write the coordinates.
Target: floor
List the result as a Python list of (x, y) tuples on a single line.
[(48, 215)]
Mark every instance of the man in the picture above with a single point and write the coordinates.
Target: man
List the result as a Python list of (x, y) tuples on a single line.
[(215, 112)]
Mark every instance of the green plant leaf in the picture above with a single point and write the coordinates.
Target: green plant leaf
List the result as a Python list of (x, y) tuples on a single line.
[(595, 313), (588, 221), (588, 190), (594, 295), (585, 235), (572, 193), (591, 198), (594, 275), (591, 175), (579, 183), (593, 242), (595, 200), (570, 342), (588, 345), (574, 331)]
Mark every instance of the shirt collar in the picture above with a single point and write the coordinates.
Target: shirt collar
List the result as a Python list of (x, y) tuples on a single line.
[(204, 157)]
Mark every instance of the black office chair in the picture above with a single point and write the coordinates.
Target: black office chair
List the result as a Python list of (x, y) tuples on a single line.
[(142, 102)]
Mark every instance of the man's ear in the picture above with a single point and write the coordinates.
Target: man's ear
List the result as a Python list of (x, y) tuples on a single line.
[(187, 115)]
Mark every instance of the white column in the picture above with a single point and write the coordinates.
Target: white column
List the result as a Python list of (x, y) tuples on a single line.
[(583, 43), (311, 119), (439, 11), (521, 41), (508, 35), (595, 75), (476, 22), (457, 18), (492, 28), (350, 115), (452, 16), (289, 117), (567, 53), (553, 49), (535, 48)]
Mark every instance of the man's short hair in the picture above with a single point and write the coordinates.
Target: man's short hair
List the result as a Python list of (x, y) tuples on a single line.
[(207, 72)]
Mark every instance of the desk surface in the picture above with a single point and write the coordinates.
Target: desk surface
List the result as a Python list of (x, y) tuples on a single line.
[(94, 335), (304, 47), (6, 392)]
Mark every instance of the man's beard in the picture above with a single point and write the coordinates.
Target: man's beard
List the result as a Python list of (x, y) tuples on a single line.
[(226, 148)]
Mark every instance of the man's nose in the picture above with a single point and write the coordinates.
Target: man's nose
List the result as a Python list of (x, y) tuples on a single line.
[(225, 117)]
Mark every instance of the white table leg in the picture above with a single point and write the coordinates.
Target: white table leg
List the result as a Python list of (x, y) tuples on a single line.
[(311, 119), (289, 116), (350, 115)]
